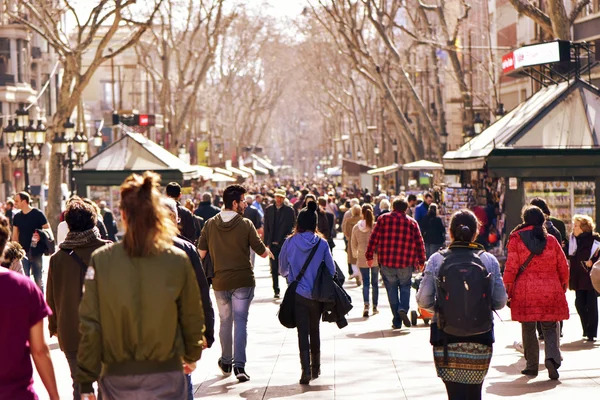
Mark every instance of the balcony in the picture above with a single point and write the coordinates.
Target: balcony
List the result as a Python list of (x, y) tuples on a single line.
[(7, 80)]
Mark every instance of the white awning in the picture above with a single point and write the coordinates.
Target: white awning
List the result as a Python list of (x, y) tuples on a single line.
[(422, 165), (237, 171), (464, 164), (248, 170), (384, 170), (218, 177)]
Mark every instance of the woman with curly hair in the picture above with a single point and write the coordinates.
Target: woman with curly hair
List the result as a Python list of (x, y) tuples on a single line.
[(13, 254)]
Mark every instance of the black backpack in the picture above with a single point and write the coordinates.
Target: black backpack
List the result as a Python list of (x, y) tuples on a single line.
[(463, 303)]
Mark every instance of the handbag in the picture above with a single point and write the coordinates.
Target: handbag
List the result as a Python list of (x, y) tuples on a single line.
[(519, 272), (286, 314)]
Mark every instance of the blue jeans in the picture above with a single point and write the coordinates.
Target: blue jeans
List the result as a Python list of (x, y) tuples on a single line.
[(34, 265), (370, 275), (233, 310), (397, 280), (190, 387)]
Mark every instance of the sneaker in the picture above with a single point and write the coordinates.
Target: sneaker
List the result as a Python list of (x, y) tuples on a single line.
[(552, 370), (241, 374), (225, 368), (519, 347), (404, 317), (375, 310), (394, 327)]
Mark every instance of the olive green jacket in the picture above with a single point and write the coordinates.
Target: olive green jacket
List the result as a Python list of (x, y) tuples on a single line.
[(138, 315)]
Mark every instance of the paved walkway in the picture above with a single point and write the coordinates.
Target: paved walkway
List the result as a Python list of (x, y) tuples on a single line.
[(367, 360)]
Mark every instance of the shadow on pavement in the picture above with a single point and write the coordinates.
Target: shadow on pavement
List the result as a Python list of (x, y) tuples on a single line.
[(377, 334), (277, 392), (579, 345), (520, 387)]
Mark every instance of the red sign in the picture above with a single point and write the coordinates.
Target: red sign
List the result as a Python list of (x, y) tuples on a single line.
[(144, 120), (508, 62)]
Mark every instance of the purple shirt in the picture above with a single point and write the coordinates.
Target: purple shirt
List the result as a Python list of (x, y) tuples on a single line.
[(22, 306)]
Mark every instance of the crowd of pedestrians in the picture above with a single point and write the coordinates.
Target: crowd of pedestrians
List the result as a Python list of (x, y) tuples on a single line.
[(133, 316)]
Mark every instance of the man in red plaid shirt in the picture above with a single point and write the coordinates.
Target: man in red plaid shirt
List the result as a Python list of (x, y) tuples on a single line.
[(399, 245)]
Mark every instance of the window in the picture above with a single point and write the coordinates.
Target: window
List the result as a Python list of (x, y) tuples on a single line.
[(107, 95)]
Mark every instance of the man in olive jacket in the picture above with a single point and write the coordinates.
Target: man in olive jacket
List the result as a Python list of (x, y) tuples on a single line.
[(228, 237), (65, 279)]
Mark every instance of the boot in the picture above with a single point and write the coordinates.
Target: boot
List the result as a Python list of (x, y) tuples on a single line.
[(316, 365), (305, 362), (366, 311)]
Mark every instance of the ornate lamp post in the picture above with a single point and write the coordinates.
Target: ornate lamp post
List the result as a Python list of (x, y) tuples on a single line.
[(397, 173), (72, 149), (25, 141)]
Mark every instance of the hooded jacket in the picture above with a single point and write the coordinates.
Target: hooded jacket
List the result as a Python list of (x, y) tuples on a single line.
[(228, 238), (579, 278), (293, 255), (539, 293)]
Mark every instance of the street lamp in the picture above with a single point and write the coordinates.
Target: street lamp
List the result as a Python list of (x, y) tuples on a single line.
[(72, 149), (24, 141), (397, 173), (376, 151), (359, 154)]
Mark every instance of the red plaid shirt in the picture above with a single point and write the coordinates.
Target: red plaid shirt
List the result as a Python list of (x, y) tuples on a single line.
[(397, 240)]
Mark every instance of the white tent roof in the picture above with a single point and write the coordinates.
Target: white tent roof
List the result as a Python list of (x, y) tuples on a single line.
[(135, 152), (422, 165)]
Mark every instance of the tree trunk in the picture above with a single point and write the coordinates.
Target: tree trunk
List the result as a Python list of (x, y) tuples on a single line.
[(560, 21)]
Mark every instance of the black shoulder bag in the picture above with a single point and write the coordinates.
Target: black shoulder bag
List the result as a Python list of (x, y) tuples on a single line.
[(79, 261), (519, 272), (286, 313)]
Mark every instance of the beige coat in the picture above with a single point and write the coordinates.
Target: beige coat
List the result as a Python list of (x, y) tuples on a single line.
[(360, 241), (349, 223)]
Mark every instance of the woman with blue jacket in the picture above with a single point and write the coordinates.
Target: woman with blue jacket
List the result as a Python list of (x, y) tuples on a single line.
[(468, 358), (294, 253)]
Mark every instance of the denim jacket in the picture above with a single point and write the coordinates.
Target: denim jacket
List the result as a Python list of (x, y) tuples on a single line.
[(428, 287)]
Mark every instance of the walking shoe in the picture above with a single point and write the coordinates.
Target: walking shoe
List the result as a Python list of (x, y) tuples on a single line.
[(405, 319), (276, 296), (375, 310), (530, 372), (366, 311), (396, 327), (241, 374), (225, 368), (552, 370)]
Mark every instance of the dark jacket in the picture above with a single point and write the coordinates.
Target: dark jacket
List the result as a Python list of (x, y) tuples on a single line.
[(336, 302), (187, 224), (198, 225), (433, 230), (110, 223), (46, 246), (206, 210), (579, 276), (209, 314), (253, 215), (136, 316), (551, 229), (287, 220), (558, 224), (64, 291), (102, 228)]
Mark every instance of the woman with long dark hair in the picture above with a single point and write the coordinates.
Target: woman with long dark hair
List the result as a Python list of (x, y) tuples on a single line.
[(294, 253), (361, 233), (141, 314), (462, 362), (433, 231), (536, 278)]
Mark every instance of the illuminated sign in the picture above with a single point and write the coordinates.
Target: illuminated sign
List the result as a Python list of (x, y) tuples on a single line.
[(144, 120)]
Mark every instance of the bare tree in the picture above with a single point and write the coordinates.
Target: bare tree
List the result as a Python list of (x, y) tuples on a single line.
[(554, 20), (93, 35), (178, 53)]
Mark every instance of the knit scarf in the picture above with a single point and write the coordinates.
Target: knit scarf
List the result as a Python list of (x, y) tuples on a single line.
[(80, 239)]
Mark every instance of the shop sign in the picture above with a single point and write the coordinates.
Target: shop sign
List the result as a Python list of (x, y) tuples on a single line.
[(544, 53), (513, 183)]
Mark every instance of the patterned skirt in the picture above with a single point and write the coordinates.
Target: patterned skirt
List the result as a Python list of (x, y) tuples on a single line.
[(467, 362)]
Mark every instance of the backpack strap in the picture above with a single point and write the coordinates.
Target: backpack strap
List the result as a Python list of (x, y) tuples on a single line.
[(307, 262), (77, 259)]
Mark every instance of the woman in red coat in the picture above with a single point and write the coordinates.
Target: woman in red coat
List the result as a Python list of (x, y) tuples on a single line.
[(538, 292)]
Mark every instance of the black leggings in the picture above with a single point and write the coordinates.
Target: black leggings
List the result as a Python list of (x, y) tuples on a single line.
[(462, 391), (308, 316)]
